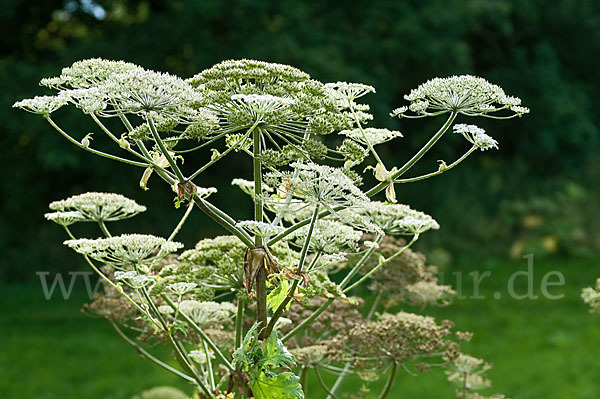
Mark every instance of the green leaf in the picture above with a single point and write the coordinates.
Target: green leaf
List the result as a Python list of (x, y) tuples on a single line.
[(245, 356), (281, 386), (278, 294), (275, 354)]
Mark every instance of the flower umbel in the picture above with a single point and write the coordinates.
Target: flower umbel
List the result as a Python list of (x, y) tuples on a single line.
[(465, 94)]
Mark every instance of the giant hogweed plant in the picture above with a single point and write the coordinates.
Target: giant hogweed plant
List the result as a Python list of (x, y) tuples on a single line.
[(254, 312)]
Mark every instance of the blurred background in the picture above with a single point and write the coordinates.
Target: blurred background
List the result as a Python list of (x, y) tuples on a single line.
[(539, 194)]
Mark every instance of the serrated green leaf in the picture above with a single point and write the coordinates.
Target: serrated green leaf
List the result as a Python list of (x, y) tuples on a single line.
[(281, 386), (275, 354), (245, 356), (278, 294)]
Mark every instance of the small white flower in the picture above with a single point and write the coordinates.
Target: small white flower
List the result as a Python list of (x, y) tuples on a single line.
[(350, 91), (96, 207), (373, 135), (42, 105), (203, 313), (466, 94), (200, 356), (181, 288), (65, 218), (126, 249), (329, 237), (476, 136), (260, 229)]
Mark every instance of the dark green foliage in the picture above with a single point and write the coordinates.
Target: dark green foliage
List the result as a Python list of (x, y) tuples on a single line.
[(541, 50)]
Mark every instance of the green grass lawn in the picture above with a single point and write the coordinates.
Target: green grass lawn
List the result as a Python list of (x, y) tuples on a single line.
[(540, 348)]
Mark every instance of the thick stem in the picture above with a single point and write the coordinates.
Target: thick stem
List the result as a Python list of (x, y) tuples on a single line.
[(239, 323), (224, 220), (261, 274)]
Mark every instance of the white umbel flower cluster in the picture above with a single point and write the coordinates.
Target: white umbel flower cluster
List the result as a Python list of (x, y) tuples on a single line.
[(374, 136), (133, 279), (200, 356), (65, 218), (126, 249), (476, 136), (93, 206), (465, 94), (181, 288), (329, 237), (396, 219), (591, 296), (109, 88), (204, 313), (260, 229), (262, 103), (350, 91), (42, 105), (317, 184)]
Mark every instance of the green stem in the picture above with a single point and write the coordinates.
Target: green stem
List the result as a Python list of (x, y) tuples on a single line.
[(438, 172), (189, 209), (211, 376), (261, 274), (367, 275), (389, 383), (306, 322), (344, 373), (239, 322), (361, 262), (201, 333), (212, 161), (148, 356), (416, 157), (303, 253), (100, 153), (165, 151), (224, 220), (304, 379), (329, 392), (104, 228), (369, 145)]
